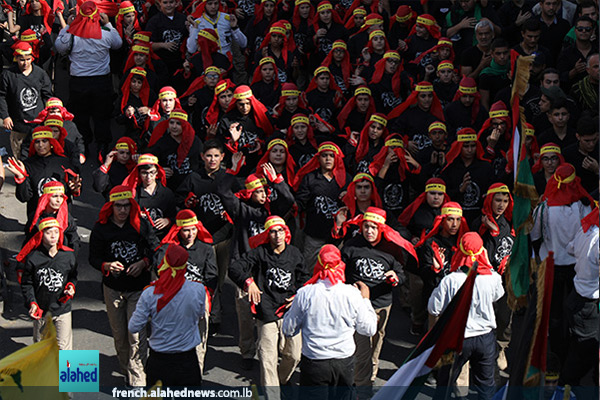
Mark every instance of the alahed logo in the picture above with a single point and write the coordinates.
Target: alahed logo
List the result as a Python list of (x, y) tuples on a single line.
[(79, 371)]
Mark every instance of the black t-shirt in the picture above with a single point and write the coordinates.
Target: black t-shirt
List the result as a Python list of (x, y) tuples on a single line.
[(589, 179)]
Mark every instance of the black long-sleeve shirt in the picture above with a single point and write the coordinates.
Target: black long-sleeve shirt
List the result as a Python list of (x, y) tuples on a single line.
[(159, 204), (278, 276), (201, 264), (104, 182), (498, 246), (109, 242), (45, 277), (166, 150)]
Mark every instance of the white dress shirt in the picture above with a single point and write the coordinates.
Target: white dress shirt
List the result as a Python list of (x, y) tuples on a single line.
[(488, 289), (175, 327), (223, 27), (557, 226), (328, 315), (89, 57), (585, 249)]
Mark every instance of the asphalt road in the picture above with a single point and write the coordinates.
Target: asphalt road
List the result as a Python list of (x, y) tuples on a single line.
[(90, 324)]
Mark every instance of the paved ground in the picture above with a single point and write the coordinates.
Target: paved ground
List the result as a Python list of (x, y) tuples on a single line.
[(90, 324)]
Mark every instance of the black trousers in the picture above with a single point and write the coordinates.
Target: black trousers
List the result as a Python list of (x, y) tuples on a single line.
[(582, 316), (91, 100), (327, 379), (558, 326), (173, 369)]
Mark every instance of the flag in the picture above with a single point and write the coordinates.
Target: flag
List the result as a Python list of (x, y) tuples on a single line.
[(524, 195), (532, 337), (32, 372), (445, 337)]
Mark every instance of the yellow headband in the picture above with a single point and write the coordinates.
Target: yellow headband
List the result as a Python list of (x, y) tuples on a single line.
[(54, 103), (392, 54), (275, 142), (169, 94), (378, 219), (568, 179), (324, 7), (208, 35), (141, 37), (53, 122), (550, 149), (290, 93), (29, 38), (404, 18), (122, 146), (470, 252), (187, 222), (437, 125), (442, 42), (54, 190), (45, 134), (255, 184), (467, 90), (499, 113), (499, 189), (147, 159), (361, 176), (221, 88), (378, 119), (244, 95), (141, 49), (359, 11), (320, 70), (376, 32), (178, 115), (266, 60), (215, 70), (394, 142), (165, 266), (86, 15), (126, 10), (274, 221), (328, 147), (424, 88), (362, 90), (425, 21), (435, 187), (299, 2), (279, 30), (339, 45), (300, 120), (138, 71), (120, 196), (372, 21), (451, 211), (529, 132), (466, 138), (445, 65), (24, 52), (51, 223)]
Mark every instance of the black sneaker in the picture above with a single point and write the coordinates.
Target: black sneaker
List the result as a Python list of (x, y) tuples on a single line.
[(417, 329), (247, 363), (213, 328)]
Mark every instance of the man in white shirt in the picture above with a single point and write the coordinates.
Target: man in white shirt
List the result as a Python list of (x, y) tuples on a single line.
[(88, 41), (479, 346), (328, 312)]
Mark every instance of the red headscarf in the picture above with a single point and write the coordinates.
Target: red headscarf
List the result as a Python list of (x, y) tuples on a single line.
[(87, 22), (278, 28), (263, 238), (349, 198), (252, 184), (370, 20), (349, 23), (432, 185), (449, 208), (290, 165), (36, 240), (259, 11), (44, 132), (167, 92), (363, 143), (351, 105), (332, 85), (133, 179), (378, 217), (140, 47), (396, 142), (462, 136), (374, 34), (208, 44), (126, 88), (498, 110), (121, 192), (442, 42), (404, 15), (468, 86), (258, 109), (590, 220), (171, 275), (257, 77), (346, 67), (471, 250), (358, 3), (125, 8), (46, 13), (428, 22), (186, 218), (324, 6), (29, 36), (48, 190), (296, 19), (487, 207), (187, 136), (548, 148), (22, 48), (339, 171), (200, 81), (436, 107), (212, 115), (380, 69), (288, 89), (126, 143), (329, 266), (564, 187), (301, 119), (53, 102)]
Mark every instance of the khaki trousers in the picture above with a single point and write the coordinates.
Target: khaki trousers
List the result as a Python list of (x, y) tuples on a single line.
[(132, 348), (368, 350), (201, 348), (64, 330), (245, 318)]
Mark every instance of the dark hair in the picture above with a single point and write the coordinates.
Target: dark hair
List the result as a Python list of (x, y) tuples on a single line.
[(584, 19), (531, 25), (587, 125), (550, 71), (146, 167), (497, 43), (213, 144), (559, 103), (586, 4)]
